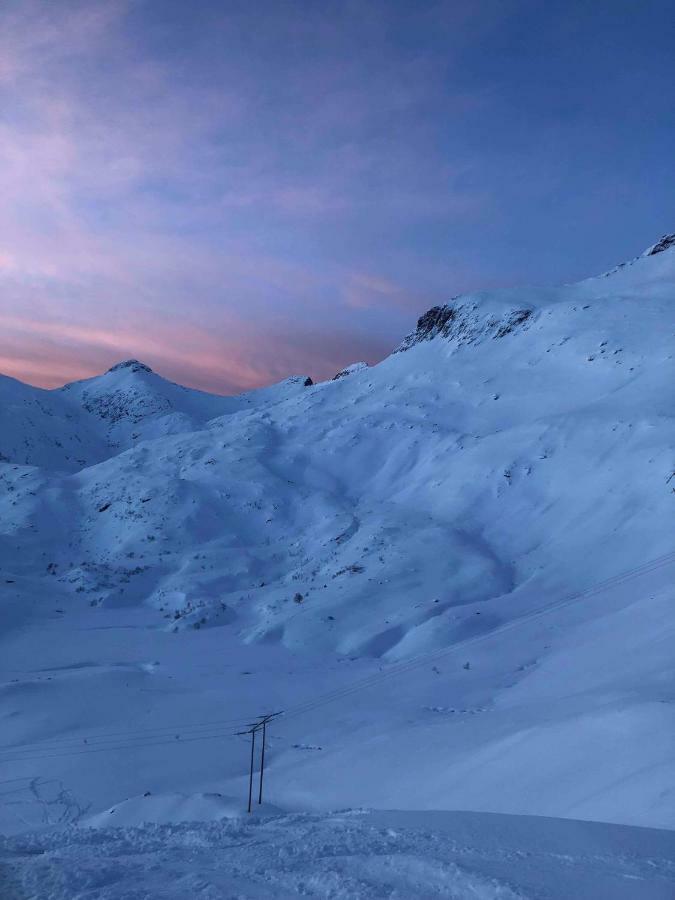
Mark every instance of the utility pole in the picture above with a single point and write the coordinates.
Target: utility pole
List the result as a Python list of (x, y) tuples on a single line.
[(262, 723), (252, 729), (250, 777), (262, 759)]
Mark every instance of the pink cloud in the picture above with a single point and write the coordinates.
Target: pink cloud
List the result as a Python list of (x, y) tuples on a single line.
[(144, 216), (364, 291), (233, 358)]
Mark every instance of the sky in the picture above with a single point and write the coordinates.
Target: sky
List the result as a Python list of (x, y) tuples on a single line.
[(234, 192)]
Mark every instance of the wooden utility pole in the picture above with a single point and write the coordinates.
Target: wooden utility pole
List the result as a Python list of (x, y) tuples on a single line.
[(252, 729), (250, 777), (262, 759), (262, 723)]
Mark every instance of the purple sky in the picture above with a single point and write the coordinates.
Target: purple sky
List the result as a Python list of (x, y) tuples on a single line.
[(239, 191)]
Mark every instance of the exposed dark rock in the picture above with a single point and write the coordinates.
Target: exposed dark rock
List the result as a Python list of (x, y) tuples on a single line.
[(666, 242), (130, 404), (516, 318), (465, 323), (434, 321), (350, 370)]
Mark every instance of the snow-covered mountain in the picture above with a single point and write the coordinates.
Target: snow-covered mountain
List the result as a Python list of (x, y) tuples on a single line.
[(170, 558), (88, 421)]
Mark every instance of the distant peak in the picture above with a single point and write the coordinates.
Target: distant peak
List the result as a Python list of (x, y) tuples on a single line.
[(132, 364), (666, 242)]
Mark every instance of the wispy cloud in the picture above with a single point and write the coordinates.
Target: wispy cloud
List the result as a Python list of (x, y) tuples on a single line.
[(144, 215), (239, 194)]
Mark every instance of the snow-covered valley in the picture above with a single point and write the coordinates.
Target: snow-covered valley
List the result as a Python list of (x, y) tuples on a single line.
[(452, 571)]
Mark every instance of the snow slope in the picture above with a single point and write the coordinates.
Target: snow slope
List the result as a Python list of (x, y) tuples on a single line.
[(88, 421), (466, 856), (173, 563)]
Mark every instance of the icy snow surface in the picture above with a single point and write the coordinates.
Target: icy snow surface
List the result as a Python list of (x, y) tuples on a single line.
[(452, 570)]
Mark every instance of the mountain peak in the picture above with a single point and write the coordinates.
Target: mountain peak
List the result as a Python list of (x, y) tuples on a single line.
[(132, 364)]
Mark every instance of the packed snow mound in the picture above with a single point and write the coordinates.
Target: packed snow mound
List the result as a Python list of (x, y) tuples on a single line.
[(165, 553), (463, 856)]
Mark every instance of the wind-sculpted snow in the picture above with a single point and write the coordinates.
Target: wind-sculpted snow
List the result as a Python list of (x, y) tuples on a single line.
[(353, 855), (519, 452)]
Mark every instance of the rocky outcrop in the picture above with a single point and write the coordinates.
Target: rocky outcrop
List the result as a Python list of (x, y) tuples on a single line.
[(666, 242), (350, 370), (465, 323), (114, 406), (132, 364)]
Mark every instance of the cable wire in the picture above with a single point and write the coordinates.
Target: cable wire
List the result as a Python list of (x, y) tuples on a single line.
[(182, 734), (423, 659)]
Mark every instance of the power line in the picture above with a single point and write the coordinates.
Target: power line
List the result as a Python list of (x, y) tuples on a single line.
[(177, 740), (261, 724), (180, 734), (422, 659), (141, 733)]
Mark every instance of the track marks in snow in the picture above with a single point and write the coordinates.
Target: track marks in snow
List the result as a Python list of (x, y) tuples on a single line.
[(357, 856)]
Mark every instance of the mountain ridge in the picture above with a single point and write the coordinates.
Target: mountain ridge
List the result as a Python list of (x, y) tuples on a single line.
[(289, 539)]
